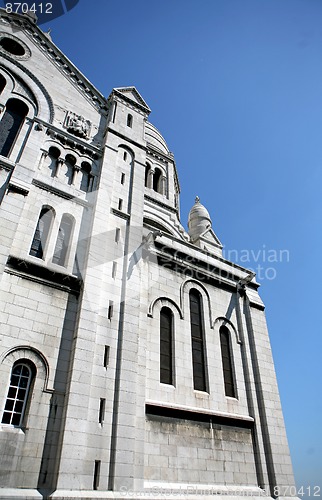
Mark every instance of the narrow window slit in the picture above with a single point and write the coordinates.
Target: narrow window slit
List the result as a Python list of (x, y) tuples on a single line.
[(110, 310), (114, 268), (101, 410), (97, 471), (106, 356)]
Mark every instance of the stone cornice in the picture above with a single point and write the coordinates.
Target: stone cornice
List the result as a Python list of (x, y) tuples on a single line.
[(54, 54), (161, 204), (60, 193), (198, 414), (200, 269), (6, 164), (41, 274), (158, 155), (120, 214)]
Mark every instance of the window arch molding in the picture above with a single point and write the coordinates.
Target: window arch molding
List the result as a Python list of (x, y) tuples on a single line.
[(124, 147), (34, 359), (44, 103), (12, 356), (185, 288), (157, 304), (222, 321), (10, 82)]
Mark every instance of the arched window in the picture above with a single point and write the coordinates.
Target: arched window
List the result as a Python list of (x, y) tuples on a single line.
[(63, 240), (70, 162), (197, 339), (40, 239), (54, 154), (166, 346), (3, 82), (86, 176), (16, 112), (129, 120), (227, 362), (157, 180), (22, 376)]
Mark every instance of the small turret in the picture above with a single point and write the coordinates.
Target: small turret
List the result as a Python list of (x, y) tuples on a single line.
[(199, 221), (200, 230)]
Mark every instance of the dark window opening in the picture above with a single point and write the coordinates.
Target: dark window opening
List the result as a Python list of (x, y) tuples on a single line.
[(97, 470), (106, 359), (12, 46), (166, 346), (40, 238), (85, 184), (157, 180), (147, 172), (101, 414), (3, 83), (53, 154), (12, 120), (227, 362), (129, 120), (197, 338)]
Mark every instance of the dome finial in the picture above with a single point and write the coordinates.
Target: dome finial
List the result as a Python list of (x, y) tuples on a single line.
[(197, 199)]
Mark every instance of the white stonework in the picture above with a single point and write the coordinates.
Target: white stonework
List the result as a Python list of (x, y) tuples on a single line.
[(83, 314)]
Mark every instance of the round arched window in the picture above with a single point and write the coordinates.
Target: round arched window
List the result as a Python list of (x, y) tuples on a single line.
[(11, 46)]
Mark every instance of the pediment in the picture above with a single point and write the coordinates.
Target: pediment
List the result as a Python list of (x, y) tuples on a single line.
[(210, 237), (131, 94)]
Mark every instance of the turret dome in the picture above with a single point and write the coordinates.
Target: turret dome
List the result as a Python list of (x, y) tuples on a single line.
[(199, 220)]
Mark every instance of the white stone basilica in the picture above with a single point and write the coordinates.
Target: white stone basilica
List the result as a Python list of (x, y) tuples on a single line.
[(134, 359)]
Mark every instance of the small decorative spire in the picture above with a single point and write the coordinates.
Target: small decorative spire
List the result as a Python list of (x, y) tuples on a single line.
[(197, 200)]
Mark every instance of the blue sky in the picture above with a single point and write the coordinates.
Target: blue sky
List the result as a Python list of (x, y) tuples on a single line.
[(235, 86)]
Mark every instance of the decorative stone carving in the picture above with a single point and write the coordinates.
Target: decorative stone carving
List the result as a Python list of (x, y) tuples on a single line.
[(77, 125)]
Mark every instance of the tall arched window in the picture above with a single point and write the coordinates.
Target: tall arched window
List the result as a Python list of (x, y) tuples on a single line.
[(3, 82), (70, 162), (227, 362), (166, 346), (16, 112), (40, 239), (197, 340), (63, 240), (22, 375), (53, 154), (157, 180), (85, 183)]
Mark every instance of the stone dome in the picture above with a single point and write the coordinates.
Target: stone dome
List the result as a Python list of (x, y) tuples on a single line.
[(199, 220)]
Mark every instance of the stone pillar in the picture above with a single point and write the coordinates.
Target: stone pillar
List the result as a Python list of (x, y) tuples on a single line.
[(150, 179)]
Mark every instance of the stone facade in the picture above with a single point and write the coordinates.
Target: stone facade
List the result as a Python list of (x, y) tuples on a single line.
[(134, 359)]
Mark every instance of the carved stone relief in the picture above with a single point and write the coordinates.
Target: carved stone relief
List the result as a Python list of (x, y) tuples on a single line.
[(77, 125)]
